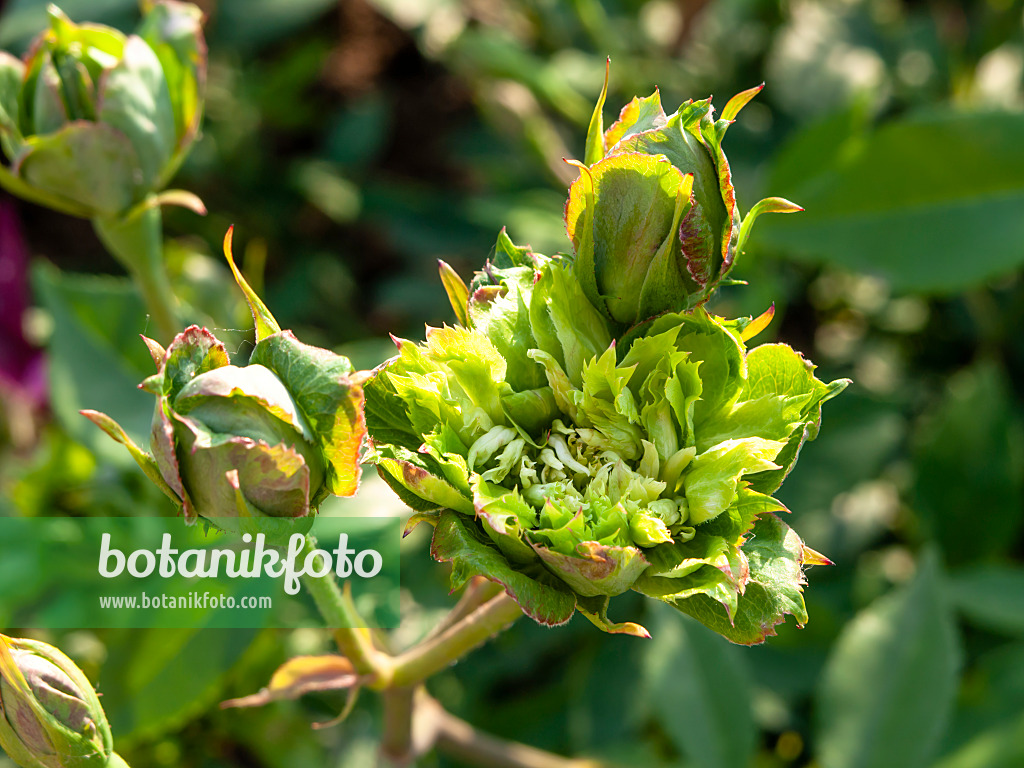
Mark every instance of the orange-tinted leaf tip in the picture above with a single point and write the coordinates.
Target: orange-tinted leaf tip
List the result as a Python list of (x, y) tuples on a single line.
[(759, 324), (812, 557)]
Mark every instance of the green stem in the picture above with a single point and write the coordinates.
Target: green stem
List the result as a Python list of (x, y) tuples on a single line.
[(116, 761), (438, 652), (339, 614), (478, 592), (136, 241)]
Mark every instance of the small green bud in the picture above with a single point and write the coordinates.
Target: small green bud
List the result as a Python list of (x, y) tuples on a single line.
[(653, 217), (50, 716)]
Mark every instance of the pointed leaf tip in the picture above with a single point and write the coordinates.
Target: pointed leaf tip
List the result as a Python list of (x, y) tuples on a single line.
[(146, 462), (458, 292), (595, 147), (739, 101), (265, 323), (156, 351), (183, 199), (812, 557), (768, 205), (758, 324)]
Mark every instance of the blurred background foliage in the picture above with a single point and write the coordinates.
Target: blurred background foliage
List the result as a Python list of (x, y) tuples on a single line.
[(353, 143)]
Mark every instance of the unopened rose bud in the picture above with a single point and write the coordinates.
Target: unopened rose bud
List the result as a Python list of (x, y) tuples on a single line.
[(50, 716), (93, 121)]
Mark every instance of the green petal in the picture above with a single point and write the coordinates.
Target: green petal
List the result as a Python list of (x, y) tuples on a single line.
[(135, 100), (87, 164), (504, 515), (328, 397), (714, 476), (596, 569), (565, 323), (254, 382), (274, 479), (174, 32), (420, 476), (500, 310), (194, 351), (639, 115)]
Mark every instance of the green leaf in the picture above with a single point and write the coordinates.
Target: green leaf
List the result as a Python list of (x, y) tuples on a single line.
[(988, 729), (146, 462), (1000, 746), (596, 611), (889, 684), (969, 456), (95, 359), (457, 541), (885, 203), (990, 596), (776, 556), (739, 101), (768, 205), (329, 398), (697, 689), (164, 678)]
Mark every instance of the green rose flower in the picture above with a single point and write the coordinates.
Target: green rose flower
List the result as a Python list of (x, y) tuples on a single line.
[(571, 466)]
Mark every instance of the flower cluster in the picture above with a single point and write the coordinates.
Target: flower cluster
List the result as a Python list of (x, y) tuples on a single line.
[(577, 435)]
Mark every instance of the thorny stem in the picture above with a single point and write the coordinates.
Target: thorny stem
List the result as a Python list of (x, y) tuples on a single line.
[(441, 650)]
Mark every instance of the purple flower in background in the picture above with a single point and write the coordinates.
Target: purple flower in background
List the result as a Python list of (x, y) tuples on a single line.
[(22, 374)]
